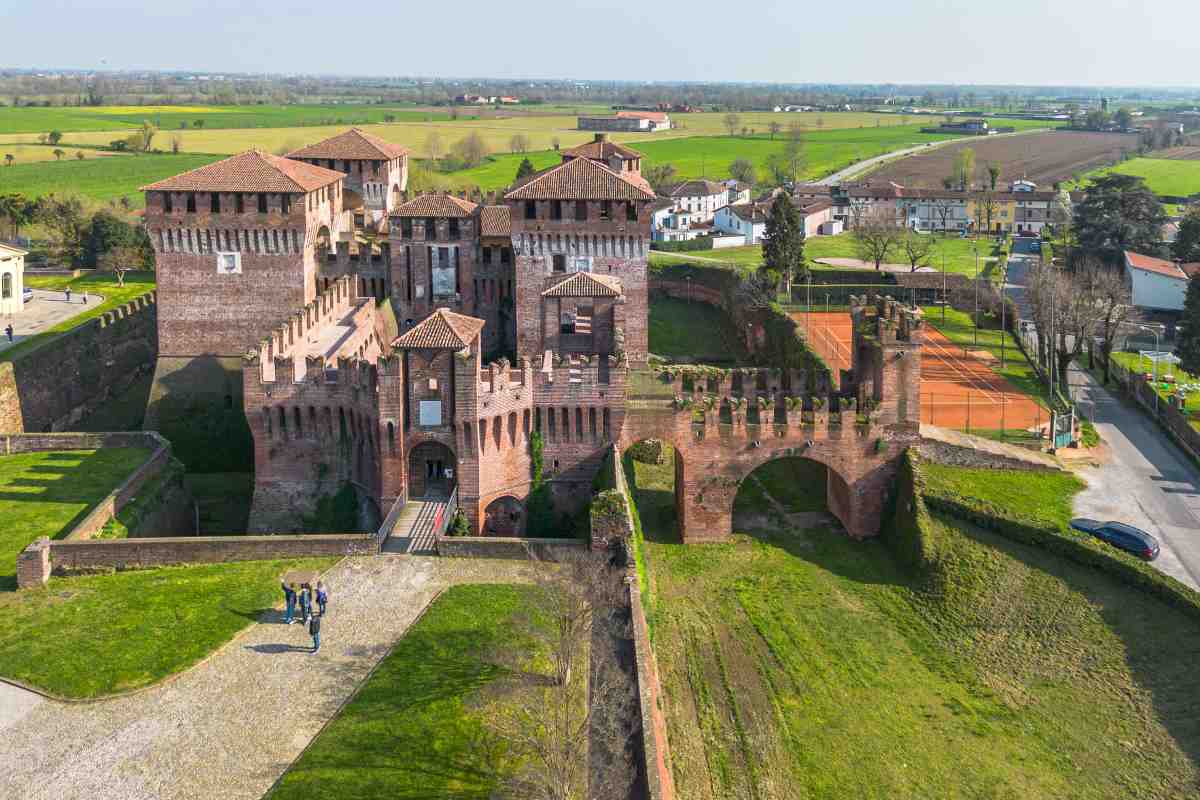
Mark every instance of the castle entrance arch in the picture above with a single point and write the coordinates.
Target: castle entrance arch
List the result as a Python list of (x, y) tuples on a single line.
[(432, 470), (504, 516), (801, 491)]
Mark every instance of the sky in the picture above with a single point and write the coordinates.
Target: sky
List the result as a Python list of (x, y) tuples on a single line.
[(1011, 42)]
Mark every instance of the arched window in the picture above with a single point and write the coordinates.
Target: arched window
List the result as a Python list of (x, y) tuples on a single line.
[(6, 286)]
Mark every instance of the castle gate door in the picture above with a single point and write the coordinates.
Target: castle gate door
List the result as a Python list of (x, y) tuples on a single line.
[(432, 470)]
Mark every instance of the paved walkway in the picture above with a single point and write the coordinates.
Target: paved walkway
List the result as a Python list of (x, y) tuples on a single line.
[(229, 727), (43, 312)]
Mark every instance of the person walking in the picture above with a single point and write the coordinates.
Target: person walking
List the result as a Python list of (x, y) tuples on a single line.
[(314, 629), (289, 599), (305, 603), (8, 331), (67, 292), (322, 597)]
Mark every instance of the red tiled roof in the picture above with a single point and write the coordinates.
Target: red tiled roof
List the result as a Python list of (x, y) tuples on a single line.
[(353, 144), (1191, 269), (657, 116), (585, 284), (435, 205), (1151, 264), (695, 188), (495, 221), (251, 171), (601, 150), (441, 330), (581, 179), (816, 206)]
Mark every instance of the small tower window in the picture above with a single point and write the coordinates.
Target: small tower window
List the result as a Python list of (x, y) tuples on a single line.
[(168, 202), (530, 209), (581, 210), (453, 226), (191, 202), (606, 210), (262, 203), (285, 201), (631, 213), (556, 209), (560, 262), (214, 202), (239, 203)]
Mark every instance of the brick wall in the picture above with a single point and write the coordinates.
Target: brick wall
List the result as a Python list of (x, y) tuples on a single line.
[(506, 547), (60, 382)]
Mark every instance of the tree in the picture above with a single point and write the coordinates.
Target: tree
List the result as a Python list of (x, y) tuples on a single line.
[(17, 210), (1187, 245), (176, 143), (147, 133), (731, 122), (58, 154), (120, 260), (471, 149), (433, 147), (993, 171), (742, 170), (1188, 346), (963, 172), (54, 137), (943, 207), (783, 243), (875, 235), (917, 248), (1114, 309), (199, 123), (660, 177), (525, 170), (519, 143), (774, 128), (65, 224), (8, 159), (555, 143), (986, 206), (1118, 213), (1123, 119), (79, 155)]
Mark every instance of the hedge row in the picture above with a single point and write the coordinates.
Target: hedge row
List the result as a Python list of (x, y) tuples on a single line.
[(700, 243), (1078, 548)]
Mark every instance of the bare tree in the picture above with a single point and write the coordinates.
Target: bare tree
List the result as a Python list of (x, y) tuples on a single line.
[(433, 146), (519, 143), (774, 128), (875, 235), (917, 248), (176, 143), (1114, 309), (943, 207), (731, 122), (146, 135), (120, 260), (742, 170), (986, 206), (963, 172)]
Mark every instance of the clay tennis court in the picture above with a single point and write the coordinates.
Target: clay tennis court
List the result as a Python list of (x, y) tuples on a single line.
[(959, 388)]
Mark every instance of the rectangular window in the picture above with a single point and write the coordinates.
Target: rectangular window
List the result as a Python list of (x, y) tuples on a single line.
[(560, 262), (168, 202), (430, 413), (567, 325), (191, 202), (453, 225), (229, 263), (487, 256), (605, 210), (581, 210), (631, 213), (375, 165), (239, 203), (214, 202), (530, 209), (505, 255), (262, 203), (285, 202), (556, 209), (431, 229)]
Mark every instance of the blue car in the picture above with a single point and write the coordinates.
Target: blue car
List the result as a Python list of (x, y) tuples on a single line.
[(1118, 534)]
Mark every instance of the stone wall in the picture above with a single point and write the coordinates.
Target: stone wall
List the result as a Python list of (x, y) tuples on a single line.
[(60, 382), (1175, 422), (38, 560), (506, 547), (954, 448)]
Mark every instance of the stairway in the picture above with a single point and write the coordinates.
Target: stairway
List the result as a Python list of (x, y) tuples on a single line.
[(414, 529)]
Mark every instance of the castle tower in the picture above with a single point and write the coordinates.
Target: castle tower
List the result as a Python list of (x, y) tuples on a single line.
[(236, 247), (580, 216), (376, 169)]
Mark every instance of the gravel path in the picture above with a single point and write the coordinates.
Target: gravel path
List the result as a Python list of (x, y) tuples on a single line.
[(230, 726)]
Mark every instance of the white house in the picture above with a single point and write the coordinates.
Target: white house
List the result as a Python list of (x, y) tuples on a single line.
[(699, 200), (738, 192), (1155, 283), (747, 219), (12, 279)]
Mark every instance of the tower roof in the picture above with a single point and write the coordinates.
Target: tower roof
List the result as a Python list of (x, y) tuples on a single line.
[(495, 221), (353, 144), (251, 171), (441, 330), (435, 205), (580, 179), (601, 149), (585, 284)]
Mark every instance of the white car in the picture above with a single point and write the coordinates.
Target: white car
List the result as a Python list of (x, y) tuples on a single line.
[(26, 295)]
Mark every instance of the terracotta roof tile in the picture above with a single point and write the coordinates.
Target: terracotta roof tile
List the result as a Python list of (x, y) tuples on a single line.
[(495, 221), (251, 171), (435, 205), (697, 188), (601, 150), (441, 330), (1152, 264), (585, 284), (353, 144), (580, 179)]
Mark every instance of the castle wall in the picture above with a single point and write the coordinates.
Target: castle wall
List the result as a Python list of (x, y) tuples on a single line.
[(53, 387)]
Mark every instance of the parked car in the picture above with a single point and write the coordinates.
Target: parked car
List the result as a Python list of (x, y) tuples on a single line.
[(26, 294), (1118, 534)]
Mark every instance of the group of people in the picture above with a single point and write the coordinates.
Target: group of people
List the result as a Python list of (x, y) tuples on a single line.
[(305, 599)]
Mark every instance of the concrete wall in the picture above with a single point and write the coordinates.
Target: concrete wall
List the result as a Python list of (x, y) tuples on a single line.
[(506, 547), (54, 386)]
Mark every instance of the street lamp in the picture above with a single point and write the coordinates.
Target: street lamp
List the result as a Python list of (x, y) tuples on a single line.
[(975, 246), (688, 278), (1153, 386)]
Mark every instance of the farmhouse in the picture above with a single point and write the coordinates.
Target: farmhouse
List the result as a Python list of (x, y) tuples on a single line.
[(627, 121)]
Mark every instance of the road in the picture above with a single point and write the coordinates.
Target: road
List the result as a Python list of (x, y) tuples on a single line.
[(870, 163), (1146, 481)]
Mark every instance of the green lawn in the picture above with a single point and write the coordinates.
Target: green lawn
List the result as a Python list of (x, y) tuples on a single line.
[(500, 171), (694, 331), (101, 283), (1041, 497), (798, 663), (47, 494), (414, 730), (1163, 175), (100, 179), (1135, 363), (959, 328), (95, 635)]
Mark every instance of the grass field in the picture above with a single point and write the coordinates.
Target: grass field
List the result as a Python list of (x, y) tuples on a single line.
[(1165, 176), (91, 636), (98, 178), (101, 283), (415, 728), (1135, 363), (693, 332), (798, 663), (47, 494), (35, 153)]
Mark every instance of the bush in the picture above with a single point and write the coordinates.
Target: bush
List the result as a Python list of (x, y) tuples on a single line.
[(699, 243)]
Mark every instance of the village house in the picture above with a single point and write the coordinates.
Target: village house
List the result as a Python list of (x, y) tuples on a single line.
[(1157, 284)]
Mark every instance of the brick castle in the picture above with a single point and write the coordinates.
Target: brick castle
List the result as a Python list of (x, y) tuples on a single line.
[(364, 332)]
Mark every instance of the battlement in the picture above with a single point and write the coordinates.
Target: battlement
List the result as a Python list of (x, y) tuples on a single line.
[(134, 306), (284, 345), (886, 320)]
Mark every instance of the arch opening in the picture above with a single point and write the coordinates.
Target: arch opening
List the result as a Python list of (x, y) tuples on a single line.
[(432, 471), (790, 493), (504, 516)]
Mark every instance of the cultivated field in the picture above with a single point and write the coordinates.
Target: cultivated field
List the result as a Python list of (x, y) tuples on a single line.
[(1042, 157), (1185, 153), (100, 179), (1178, 176)]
